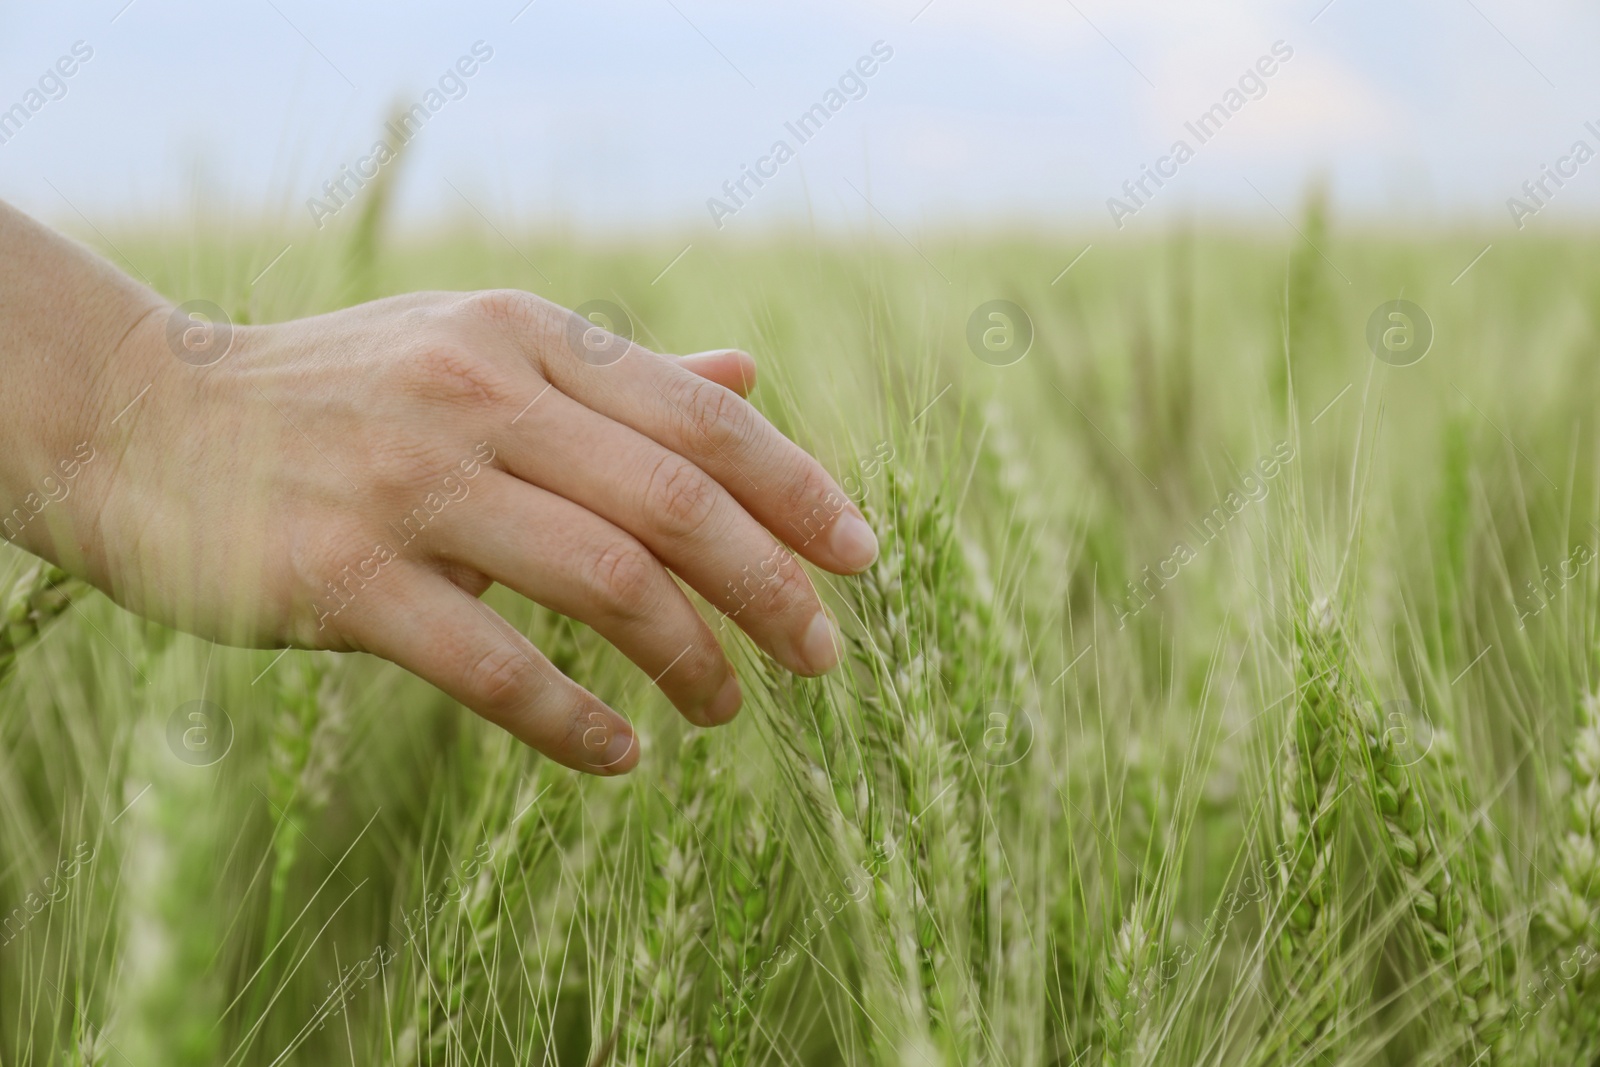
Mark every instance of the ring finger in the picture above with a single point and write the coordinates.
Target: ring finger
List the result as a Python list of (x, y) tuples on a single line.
[(565, 557)]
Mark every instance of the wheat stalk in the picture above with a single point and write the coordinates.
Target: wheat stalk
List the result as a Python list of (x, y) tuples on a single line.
[(926, 645), (673, 920), (1128, 986), (454, 930), (842, 819), (42, 594), (746, 921), (1312, 777), (301, 754), (163, 1015), (1475, 880), (1567, 1026)]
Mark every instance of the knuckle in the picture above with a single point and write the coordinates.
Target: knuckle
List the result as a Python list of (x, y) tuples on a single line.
[(788, 590), (314, 563), (588, 727), (395, 468), (453, 374), (811, 503), (312, 556), (701, 664), (514, 310), (503, 678), (715, 415), (623, 579), (679, 497)]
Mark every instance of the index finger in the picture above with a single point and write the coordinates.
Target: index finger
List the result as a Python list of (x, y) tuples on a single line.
[(775, 480)]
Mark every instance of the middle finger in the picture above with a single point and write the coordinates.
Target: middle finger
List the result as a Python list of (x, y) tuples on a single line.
[(684, 516)]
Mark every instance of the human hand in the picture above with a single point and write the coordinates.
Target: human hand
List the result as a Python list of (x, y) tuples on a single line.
[(355, 481)]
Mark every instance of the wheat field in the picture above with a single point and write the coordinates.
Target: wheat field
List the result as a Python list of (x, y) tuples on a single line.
[(1223, 694)]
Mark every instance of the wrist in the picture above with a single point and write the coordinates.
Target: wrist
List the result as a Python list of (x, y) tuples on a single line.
[(67, 320), (65, 416)]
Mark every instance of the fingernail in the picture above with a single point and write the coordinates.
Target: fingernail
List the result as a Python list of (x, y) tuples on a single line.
[(852, 541), (725, 705), (821, 646), (713, 356), (737, 358), (618, 749)]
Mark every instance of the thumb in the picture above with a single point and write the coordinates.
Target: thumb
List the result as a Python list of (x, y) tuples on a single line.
[(728, 367)]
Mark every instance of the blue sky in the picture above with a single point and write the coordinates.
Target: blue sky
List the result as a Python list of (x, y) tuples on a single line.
[(613, 117)]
